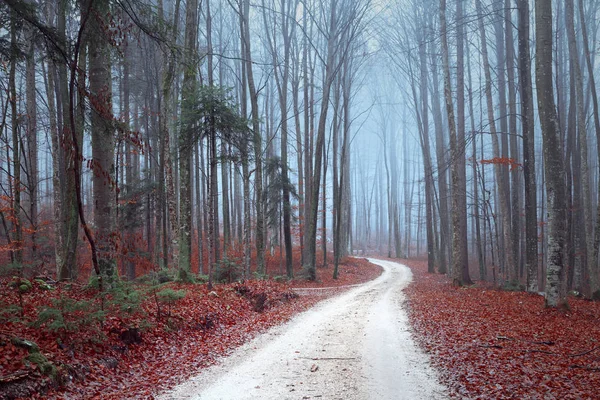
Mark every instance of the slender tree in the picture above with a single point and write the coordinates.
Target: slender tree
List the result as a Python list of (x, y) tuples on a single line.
[(526, 93)]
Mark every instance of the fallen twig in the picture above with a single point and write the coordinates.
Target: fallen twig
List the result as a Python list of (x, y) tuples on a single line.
[(15, 376), (593, 369), (491, 346), (547, 343), (585, 352), (543, 351), (544, 342)]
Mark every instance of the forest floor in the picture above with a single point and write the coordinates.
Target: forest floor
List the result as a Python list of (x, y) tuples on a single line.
[(494, 344), (65, 341), (485, 343)]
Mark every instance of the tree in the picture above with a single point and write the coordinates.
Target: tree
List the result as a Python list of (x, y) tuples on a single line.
[(257, 140), (344, 24), (31, 135), (102, 133), (17, 251), (281, 69), (526, 92), (499, 166), (459, 240), (186, 142), (553, 163), (167, 195), (592, 255)]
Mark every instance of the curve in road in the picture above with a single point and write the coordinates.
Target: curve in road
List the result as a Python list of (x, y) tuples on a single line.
[(355, 346)]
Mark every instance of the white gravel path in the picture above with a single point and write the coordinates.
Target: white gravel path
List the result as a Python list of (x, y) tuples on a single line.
[(355, 346)]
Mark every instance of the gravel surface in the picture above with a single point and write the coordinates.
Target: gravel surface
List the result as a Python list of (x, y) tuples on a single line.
[(355, 346)]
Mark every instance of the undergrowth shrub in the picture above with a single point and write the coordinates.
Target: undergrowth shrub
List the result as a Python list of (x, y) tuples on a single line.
[(228, 271), (169, 297), (156, 277), (512, 286), (10, 313), (259, 276), (14, 268), (126, 297), (21, 286), (67, 315)]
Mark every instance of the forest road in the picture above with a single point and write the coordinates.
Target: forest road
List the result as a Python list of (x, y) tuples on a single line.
[(354, 346)]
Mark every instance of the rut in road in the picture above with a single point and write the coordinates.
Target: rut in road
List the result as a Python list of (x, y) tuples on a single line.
[(355, 346)]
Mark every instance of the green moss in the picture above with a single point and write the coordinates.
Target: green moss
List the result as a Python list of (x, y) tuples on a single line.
[(45, 366), (43, 284), (30, 346)]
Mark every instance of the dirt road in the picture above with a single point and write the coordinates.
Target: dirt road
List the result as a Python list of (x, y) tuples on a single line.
[(351, 347)]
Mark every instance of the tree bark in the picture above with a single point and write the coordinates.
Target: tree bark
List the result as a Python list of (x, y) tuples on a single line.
[(257, 143), (459, 240), (32, 148), (553, 163), (515, 199), (17, 240), (185, 142), (527, 121), (103, 147), (593, 263)]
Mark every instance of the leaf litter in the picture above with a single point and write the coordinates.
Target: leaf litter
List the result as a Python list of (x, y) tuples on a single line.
[(494, 344), (161, 348)]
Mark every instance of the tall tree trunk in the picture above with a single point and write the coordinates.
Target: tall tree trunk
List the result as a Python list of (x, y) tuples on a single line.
[(553, 162), (185, 142), (17, 240), (330, 73), (245, 155), (32, 150), (199, 170), (461, 187), (527, 121), (459, 240), (442, 166), (70, 220), (476, 204), (257, 142), (170, 199), (503, 185), (588, 242), (499, 166), (299, 157), (423, 122), (515, 200), (282, 80), (593, 263), (102, 133), (57, 183), (130, 173)]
